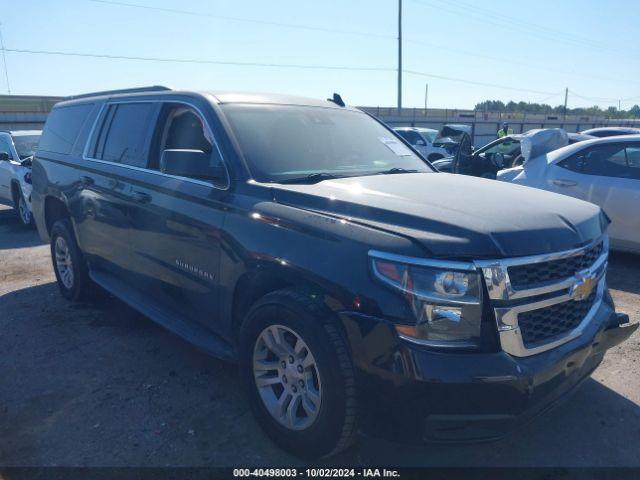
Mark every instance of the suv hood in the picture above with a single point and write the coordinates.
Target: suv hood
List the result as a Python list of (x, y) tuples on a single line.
[(454, 216)]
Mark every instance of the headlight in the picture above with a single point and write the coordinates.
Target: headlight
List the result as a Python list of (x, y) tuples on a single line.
[(445, 298)]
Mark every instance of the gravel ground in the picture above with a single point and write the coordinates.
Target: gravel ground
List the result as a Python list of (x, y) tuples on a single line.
[(100, 385)]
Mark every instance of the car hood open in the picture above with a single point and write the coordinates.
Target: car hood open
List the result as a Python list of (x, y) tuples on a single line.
[(454, 216)]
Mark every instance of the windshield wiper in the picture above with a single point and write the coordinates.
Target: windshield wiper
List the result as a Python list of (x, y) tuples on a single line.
[(312, 178), (395, 170)]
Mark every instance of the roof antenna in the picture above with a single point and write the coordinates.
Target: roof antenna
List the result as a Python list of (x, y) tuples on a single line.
[(337, 99)]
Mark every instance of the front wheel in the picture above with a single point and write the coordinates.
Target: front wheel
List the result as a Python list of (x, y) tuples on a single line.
[(298, 374), (23, 210)]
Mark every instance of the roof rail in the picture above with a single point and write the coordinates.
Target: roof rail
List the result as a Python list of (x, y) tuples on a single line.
[(153, 88)]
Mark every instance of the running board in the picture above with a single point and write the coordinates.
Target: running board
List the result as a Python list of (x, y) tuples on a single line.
[(165, 317)]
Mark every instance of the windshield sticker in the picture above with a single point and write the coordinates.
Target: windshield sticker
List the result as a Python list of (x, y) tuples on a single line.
[(395, 146)]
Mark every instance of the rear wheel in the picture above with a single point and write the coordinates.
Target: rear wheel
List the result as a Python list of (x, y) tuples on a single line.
[(298, 374), (69, 264)]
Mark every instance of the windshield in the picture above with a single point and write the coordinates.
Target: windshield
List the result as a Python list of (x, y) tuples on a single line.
[(508, 147), (287, 143), (26, 145), (429, 135), (452, 133)]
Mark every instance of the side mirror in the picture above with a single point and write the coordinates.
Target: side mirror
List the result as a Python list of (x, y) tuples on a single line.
[(4, 157), (191, 164)]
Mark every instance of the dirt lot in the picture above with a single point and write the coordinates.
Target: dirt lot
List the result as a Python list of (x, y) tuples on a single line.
[(103, 386)]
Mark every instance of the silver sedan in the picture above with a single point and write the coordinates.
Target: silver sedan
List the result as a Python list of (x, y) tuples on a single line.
[(604, 171)]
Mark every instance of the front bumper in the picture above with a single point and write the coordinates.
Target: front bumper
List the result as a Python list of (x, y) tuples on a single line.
[(413, 394)]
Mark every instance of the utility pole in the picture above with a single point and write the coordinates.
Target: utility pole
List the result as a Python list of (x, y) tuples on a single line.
[(4, 61), (618, 105), (566, 97), (426, 97), (399, 55)]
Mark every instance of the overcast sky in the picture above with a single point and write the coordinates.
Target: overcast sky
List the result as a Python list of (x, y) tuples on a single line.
[(500, 50)]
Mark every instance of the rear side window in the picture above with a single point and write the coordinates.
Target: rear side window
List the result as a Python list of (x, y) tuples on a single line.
[(123, 135), (62, 128)]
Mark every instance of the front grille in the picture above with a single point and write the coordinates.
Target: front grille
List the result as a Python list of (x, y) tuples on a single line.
[(543, 324), (537, 273)]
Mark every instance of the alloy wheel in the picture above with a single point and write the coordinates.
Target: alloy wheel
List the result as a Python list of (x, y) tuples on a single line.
[(287, 377), (64, 264), (23, 210)]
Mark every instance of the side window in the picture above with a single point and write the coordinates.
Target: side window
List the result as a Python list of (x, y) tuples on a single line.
[(183, 146), (606, 161), (62, 128), (575, 162), (410, 136), (4, 146), (123, 134), (633, 161)]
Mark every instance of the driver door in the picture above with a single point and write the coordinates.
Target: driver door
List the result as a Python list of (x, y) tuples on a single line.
[(177, 221)]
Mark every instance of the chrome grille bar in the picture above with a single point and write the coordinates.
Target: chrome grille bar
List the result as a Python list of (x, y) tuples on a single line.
[(501, 292)]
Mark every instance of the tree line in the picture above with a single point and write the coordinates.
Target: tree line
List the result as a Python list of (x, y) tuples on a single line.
[(524, 107)]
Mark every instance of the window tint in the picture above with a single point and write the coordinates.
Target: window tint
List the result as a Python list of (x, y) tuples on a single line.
[(62, 127), (182, 128), (606, 161), (611, 160), (123, 134)]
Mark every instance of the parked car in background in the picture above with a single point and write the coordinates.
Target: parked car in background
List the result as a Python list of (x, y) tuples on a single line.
[(507, 148), (422, 140), (17, 148), (604, 171), (611, 131), (450, 136)]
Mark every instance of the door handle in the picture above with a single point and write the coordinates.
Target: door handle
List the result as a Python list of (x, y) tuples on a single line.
[(85, 180), (565, 183), (141, 197)]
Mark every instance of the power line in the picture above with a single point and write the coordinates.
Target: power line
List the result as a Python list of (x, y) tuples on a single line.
[(271, 65), (197, 61), (511, 61), (472, 82), (538, 27), (464, 11), (287, 66), (246, 20)]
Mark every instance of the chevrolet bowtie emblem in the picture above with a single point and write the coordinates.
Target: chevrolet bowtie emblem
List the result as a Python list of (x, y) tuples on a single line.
[(584, 285)]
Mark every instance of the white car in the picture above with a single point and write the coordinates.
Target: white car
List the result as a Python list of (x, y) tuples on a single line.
[(16, 150), (422, 140), (611, 131), (604, 171)]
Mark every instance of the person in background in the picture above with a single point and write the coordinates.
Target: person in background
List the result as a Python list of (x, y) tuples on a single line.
[(505, 130)]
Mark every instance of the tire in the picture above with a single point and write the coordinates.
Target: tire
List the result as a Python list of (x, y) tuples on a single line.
[(326, 388), (69, 264), (22, 210)]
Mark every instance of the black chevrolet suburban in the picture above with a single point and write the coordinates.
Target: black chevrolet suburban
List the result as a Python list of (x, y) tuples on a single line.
[(355, 285)]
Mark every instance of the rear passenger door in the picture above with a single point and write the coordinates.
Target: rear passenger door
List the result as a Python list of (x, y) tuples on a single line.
[(615, 186), (119, 145), (176, 221)]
